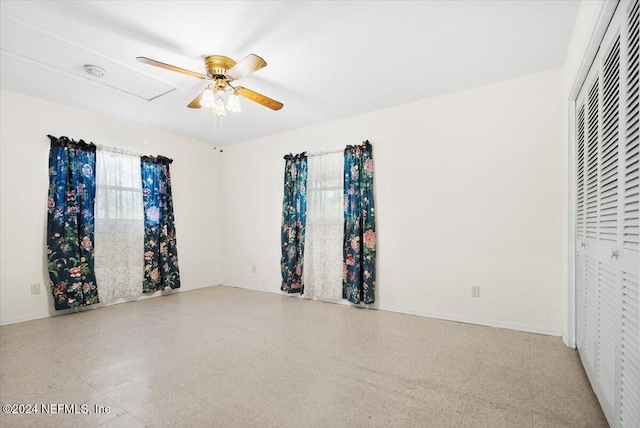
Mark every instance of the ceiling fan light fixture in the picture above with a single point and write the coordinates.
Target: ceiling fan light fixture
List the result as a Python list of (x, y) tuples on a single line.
[(208, 98), (233, 103), (218, 108)]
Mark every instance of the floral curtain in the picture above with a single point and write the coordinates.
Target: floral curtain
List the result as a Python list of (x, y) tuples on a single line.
[(160, 252), (70, 222), (359, 249), (294, 208)]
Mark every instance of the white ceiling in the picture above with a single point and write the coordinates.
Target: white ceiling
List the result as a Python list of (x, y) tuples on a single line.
[(326, 60)]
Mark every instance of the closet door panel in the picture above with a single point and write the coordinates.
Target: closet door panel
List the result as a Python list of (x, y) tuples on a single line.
[(581, 301), (607, 221), (629, 380)]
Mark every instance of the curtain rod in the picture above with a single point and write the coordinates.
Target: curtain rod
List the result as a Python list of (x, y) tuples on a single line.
[(325, 152), (117, 150)]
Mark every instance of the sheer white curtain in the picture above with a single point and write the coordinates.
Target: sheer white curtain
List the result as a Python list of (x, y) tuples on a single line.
[(324, 230), (119, 234)]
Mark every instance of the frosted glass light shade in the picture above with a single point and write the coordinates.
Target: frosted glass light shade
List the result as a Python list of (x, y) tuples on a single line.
[(233, 104), (208, 99), (218, 108)]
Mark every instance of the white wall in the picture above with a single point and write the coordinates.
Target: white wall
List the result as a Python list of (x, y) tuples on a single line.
[(470, 190), (24, 150)]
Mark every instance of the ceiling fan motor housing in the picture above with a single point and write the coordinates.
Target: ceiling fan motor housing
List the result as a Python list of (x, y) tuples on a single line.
[(217, 65)]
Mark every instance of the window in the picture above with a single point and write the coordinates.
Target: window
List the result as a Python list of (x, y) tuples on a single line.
[(119, 222), (324, 230)]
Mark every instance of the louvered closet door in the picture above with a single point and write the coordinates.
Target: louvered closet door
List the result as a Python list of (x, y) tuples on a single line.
[(629, 408), (607, 258)]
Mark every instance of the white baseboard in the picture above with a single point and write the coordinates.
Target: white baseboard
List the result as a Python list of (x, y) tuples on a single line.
[(25, 318), (471, 320), (408, 311), (54, 313), (251, 287), (418, 312)]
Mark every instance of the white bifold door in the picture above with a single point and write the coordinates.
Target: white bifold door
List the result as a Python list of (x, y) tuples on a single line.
[(607, 188)]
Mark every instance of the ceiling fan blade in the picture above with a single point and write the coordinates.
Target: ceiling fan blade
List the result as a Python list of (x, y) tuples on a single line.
[(196, 101), (248, 65), (259, 98), (170, 67)]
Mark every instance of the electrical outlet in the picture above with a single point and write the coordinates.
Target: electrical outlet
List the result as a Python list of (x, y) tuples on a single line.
[(475, 291), (35, 288), (254, 269)]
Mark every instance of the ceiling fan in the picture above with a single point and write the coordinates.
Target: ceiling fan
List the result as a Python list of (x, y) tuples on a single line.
[(221, 71)]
